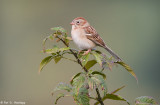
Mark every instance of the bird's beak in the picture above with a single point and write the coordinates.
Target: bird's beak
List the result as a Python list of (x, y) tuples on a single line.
[(72, 23)]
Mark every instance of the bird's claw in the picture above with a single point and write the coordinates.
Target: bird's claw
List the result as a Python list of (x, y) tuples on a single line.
[(86, 52)]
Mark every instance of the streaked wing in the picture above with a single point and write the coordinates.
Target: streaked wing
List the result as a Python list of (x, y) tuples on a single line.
[(92, 35)]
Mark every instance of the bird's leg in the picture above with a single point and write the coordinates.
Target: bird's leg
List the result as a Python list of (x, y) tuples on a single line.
[(86, 52), (79, 51)]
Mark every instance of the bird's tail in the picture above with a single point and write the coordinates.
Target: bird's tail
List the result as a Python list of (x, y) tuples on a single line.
[(112, 53)]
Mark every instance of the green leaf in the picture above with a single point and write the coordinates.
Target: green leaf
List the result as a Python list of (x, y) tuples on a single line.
[(64, 49), (107, 63), (115, 91), (51, 37), (99, 73), (49, 51), (85, 58), (129, 69), (44, 40), (92, 83), (63, 86), (97, 51), (69, 38), (58, 29), (102, 83), (58, 97), (75, 76), (56, 49), (145, 100), (78, 81), (81, 96), (44, 62), (113, 97), (48, 37), (90, 64), (57, 58), (98, 58), (97, 80)]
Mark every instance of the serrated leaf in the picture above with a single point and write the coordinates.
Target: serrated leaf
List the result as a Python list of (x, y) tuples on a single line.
[(75, 76), (81, 97), (102, 83), (44, 62), (99, 73), (85, 58), (78, 81), (91, 83), (98, 58), (145, 100), (115, 91), (58, 97), (113, 97), (97, 80), (90, 64), (63, 86), (129, 69)]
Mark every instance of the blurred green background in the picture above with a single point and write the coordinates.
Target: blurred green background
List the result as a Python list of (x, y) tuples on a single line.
[(130, 28)]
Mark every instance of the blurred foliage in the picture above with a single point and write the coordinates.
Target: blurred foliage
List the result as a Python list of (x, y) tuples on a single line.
[(145, 100), (83, 83)]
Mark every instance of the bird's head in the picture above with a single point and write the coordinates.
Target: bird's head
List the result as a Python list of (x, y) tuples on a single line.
[(80, 22)]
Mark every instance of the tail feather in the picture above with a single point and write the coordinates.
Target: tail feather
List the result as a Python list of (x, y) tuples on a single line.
[(112, 53)]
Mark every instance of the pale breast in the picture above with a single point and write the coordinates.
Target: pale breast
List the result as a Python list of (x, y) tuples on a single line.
[(80, 39)]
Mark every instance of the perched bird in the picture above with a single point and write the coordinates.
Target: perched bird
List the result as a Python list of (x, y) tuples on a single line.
[(86, 37)]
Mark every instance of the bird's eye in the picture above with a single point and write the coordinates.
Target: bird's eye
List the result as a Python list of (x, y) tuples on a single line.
[(78, 22)]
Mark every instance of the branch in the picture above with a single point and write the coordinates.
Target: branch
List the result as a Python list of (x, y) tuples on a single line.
[(75, 55), (99, 97), (80, 63)]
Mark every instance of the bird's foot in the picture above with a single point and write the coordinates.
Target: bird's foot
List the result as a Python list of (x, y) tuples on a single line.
[(79, 51), (86, 52)]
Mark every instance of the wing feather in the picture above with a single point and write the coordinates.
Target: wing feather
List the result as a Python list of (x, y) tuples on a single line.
[(92, 35)]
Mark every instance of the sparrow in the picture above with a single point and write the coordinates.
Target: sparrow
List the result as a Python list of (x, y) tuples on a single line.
[(87, 38)]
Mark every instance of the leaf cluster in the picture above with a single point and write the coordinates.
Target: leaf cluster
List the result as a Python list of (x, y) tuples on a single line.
[(83, 83)]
